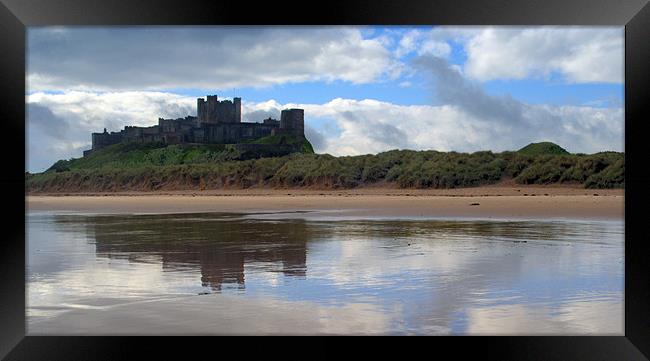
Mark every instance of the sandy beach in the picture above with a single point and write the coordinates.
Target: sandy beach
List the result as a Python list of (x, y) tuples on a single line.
[(479, 202), (131, 276)]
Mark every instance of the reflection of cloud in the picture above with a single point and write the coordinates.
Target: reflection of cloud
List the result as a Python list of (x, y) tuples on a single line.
[(571, 318), (218, 314), (381, 266), (355, 318), (118, 281), (463, 266), (433, 277)]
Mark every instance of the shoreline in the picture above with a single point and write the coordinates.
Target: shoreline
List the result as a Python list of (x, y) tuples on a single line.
[(504, 188), (481, 202)]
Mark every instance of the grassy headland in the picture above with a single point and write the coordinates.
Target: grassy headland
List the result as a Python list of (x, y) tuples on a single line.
[(147, 167)]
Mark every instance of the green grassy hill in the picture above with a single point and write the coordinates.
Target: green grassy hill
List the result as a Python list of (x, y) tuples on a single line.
[(137, 167), (301, 142), (542, 148), (133, 155)]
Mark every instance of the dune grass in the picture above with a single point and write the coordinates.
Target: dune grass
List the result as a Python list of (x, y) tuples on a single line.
[(126, 167)]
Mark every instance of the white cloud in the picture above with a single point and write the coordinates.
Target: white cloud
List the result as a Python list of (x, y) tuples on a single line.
[(437, 48), (579, 54), (220, 58), (371, 126), (202, 57), (114, 109), (422, 42), (407, 43)]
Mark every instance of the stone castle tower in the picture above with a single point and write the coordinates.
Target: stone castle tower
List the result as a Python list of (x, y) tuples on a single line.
[(215, 111), (292, 121)]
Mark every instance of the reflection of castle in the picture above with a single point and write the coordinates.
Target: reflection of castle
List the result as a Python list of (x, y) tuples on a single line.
[(219, 249), (217, 122)]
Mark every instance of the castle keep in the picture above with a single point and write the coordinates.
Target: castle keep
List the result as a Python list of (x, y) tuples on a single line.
[(216, 122), (215, 111)]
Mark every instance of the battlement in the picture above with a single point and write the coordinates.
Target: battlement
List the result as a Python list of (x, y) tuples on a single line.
[(217, 122)]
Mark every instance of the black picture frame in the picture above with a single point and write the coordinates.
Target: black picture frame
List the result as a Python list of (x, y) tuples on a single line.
[(15, 15)]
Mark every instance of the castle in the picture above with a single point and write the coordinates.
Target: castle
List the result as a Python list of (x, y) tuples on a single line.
[(216, 122)]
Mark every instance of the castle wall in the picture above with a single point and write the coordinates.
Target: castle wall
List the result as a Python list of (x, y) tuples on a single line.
[(271, 121), (102, 140), (131, 133), (151, 134), (236, 132)]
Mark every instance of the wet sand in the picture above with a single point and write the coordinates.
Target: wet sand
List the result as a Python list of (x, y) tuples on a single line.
[(120, 261), (479, 202), (231, 315)]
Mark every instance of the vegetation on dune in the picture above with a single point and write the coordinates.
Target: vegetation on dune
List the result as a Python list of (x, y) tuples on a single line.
[(135, 167)]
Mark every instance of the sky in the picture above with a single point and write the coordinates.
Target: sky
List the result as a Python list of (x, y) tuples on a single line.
[(364, 89)]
